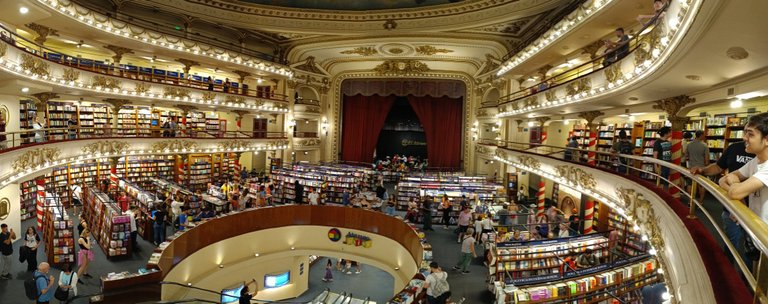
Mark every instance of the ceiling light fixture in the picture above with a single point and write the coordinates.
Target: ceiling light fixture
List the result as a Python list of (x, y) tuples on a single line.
[(24, 89), (23, 10), (79, 45), (736, 103)]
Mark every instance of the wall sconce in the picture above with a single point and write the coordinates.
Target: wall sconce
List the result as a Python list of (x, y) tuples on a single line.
[(291, 123), (474, 130), (324, 126)]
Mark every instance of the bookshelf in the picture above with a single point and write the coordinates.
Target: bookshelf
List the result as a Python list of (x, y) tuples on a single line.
[(284, 180), (28, 199), (453, 186), (581, 132), (199, 172), (109, 226), (145, 200), (600, 285), (28, 112), (523, 263), (512, 186), (58, 234), (93, 120), (59, 180), (58, 113), (631, 243), (127, 121), (606, 135), (168, 188)]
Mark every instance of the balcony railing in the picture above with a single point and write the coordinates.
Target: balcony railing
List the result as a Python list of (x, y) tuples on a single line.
[(638, 168), (131, 72), (310, 102), (641, 30), (25, 138), (305, 134)]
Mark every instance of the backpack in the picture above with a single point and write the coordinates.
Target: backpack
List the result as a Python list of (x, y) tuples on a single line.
[(30, 287), (441, 286), (625, 147)]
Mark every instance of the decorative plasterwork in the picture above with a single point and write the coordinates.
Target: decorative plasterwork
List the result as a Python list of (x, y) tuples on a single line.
[(576, 176), (309, 65), (238, 99), (3, 49), (34, 64), (307, 142), (71, 74), (401, 67), (362, 51), (510, 28), (207, 96), (482, 149), (106, 82), (613, 72), (529, 162), (34, 158), (235, 144), (176, 92), (141, 87), (180, 145), (578, 86), (106, 147), (429, 50)]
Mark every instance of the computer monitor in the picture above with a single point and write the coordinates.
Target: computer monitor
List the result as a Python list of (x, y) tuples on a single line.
[(277, 280), (231, 295)]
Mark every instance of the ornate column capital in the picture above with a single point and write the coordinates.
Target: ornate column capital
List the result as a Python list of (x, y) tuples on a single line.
[(116, 104), (119, 52), (240, 113), (41, 99), (242, 74), (672, 106), (542, 120), (185, 109), (590, 116), (592, 49), (42, 32), (188, 64)]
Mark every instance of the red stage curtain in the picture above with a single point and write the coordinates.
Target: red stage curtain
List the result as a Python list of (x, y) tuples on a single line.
[(441, 119), (364, 118)]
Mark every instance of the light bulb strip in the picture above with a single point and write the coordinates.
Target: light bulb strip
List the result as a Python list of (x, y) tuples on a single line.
[(559, 30), (17, 70), (124, 30)]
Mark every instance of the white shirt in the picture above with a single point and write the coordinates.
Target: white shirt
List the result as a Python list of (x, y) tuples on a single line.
[(432, 279), (758, 200), (64, 279), (133, 219), (313, 197), (176, 207), (77, 192), (487, 224)]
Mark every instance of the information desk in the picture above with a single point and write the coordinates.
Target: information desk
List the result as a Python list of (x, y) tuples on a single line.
[(213, 230)]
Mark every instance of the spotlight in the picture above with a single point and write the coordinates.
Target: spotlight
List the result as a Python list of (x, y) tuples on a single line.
[(23, 10), (737, 103), (256, 255), (221, 265), (397, 268), (293, 248), (24, 89)]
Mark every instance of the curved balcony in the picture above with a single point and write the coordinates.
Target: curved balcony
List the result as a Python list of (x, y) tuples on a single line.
[(676, 227), (20, 58), (306, 141), (649, 49), (194, 256), (134, 31), (30, 158), (309, 108)]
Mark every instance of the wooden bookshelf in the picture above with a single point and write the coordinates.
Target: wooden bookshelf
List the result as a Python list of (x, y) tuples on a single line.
[(145, 201), (28, 199), (28, 113), (58, 234), (109, 226)]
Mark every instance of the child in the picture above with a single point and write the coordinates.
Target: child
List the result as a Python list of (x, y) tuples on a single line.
[(328, 272)]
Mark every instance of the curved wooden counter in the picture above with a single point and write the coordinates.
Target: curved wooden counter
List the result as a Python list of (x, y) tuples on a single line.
[(221, 228)]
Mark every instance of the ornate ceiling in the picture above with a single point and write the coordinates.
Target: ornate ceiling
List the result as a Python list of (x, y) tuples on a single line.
[(367, 5)]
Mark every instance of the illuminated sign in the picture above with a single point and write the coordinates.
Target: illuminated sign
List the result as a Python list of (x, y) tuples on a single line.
[(277, 280)]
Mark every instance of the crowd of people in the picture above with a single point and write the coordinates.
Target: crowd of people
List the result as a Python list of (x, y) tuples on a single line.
[(401, 163)]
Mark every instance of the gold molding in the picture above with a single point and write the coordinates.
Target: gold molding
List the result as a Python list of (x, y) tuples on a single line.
[(35, 65), (577, 176), (106, 82), (613, 72), (104, 147), (34, 158), (208, 96), (3, 49), (429, 50), (578, 86), (501, 154), (142, 88), (401, 67), (234, 144), (5, 208), (362, 51), (308, 142), (175, 92), (551, 95), (235, 99), (482, 149), (173, 145), (70, 74), (529, 162)]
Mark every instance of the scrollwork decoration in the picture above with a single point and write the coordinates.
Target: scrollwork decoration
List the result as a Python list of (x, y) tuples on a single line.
[(71, 74), (613, 72), (235, 145), (175, 92), (529, 162), (577, 176), (173, 145), (235, 99), (35, 65), (309, 142), (104, 147), (209, 96), (34, 158), (141, 88), (106, 82)]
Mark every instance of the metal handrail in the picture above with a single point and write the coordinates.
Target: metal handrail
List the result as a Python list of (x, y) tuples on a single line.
[(589, 66), (76, 62), (16, 139), (219, 293), (752, 224)]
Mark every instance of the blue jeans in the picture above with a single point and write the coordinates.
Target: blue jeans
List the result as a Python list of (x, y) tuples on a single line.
[(389, 210), (158, 232), (735, 235)]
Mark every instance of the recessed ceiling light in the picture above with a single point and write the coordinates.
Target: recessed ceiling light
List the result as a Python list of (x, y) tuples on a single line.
[(24, 89), (23, 10), (633, 98)]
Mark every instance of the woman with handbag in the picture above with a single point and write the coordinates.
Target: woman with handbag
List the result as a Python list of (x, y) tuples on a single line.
[(67, 282), (31, 242)]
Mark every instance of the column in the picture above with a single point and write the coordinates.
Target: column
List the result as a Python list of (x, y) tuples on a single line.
[(241, 79), (542, 121), (540, 199), (188, 64), (589, 210), (590, 117), (672, 107), (240, 114), (116, 105), (184, 112), (119, 52)]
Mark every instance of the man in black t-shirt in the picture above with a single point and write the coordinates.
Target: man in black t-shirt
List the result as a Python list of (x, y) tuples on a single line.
[(158, 224), (662, 150), (6, 250), (734, 157), (426, 211)]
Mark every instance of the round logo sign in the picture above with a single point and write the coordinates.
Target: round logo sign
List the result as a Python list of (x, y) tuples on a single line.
[(334, 234)]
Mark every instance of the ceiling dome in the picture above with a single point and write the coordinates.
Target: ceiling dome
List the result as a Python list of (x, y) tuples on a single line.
[(366, 5)]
